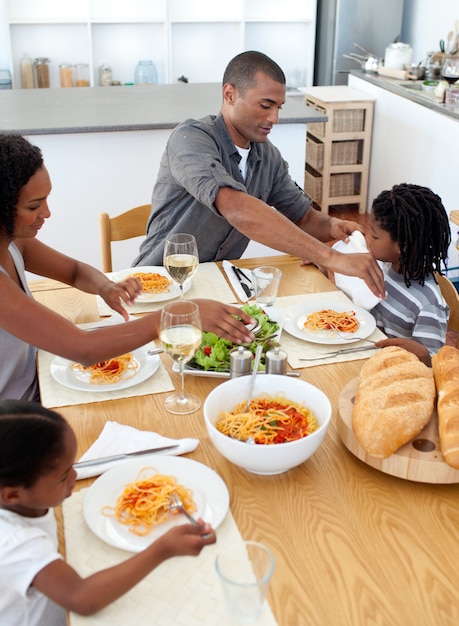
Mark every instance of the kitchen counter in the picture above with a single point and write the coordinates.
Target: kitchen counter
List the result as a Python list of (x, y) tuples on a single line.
[(410, 89), (108, 109)]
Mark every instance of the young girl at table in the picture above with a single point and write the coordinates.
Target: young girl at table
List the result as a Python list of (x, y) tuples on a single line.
[(37, 451), (409, 231), (26, 325)]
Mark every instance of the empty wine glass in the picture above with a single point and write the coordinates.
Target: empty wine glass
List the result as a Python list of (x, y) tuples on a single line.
[(181, 258), (180, 335)]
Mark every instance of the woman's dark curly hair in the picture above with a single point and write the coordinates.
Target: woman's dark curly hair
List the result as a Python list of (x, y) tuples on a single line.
[(416, 219), (19, 161)]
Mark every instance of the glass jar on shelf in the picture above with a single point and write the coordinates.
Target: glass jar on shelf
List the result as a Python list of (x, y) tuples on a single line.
[(105, 75), (66, 74), (82, 75), (26, 71), (145, 73), (42, 71)]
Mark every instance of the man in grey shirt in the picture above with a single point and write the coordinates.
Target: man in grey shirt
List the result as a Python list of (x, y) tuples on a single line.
[(222, 180)]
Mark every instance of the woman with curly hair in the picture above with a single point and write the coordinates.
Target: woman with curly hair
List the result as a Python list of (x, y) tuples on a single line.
[(409, 231), (26, 325)]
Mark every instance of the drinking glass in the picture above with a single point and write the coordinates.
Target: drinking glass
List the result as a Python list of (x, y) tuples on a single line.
[(450, 69), (180, 335), (181, 258)]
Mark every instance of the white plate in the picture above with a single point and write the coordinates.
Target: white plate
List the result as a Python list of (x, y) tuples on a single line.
[(174, 289), (277, 315), (209, 493), (296, 315), (62, 372)]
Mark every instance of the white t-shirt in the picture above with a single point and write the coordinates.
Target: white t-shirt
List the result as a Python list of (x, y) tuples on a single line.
[(244, 152), (27, 545)]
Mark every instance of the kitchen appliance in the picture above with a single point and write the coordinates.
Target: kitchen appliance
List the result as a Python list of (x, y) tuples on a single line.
[(343, 23)]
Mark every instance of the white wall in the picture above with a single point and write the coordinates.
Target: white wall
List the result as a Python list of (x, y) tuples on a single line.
[(425, 22)]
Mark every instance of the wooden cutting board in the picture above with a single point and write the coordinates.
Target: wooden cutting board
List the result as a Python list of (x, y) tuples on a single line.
[(420, 460)]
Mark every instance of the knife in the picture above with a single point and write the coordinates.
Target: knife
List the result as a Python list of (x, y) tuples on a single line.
[(118, 457), (239, 274)]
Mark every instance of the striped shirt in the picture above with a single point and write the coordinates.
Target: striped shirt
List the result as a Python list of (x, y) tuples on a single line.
[(416, 312)]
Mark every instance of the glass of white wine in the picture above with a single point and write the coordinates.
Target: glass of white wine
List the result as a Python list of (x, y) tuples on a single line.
[(181, 258), (181, 335)]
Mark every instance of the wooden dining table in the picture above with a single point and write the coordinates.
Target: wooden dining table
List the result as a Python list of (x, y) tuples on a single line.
[(353, 545)]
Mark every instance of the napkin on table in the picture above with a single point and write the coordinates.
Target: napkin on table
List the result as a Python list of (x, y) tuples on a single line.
[(118, 438), (354, 287), (235, 284)]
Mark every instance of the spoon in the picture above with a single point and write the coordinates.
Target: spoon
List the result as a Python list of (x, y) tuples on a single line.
[(256, 362)]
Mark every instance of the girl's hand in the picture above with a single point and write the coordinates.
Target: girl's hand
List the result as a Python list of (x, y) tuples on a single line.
[(220, 319), (187, 539), (115, 294)]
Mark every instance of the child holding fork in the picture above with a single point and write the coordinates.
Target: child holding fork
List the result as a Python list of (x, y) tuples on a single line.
[(37, 452)]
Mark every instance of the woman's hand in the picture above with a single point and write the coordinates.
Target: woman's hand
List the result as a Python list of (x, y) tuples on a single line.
[(220, 319), (115, 294)]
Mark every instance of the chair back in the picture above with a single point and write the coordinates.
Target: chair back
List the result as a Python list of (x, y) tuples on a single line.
[(448, 291), (132, 223)]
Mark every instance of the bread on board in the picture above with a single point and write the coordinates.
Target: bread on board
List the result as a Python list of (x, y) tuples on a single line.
[(446, 373), (394, 401)]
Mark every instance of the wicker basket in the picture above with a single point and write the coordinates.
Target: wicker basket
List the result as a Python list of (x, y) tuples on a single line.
[(340, 184), (343, 120), (343, 153)]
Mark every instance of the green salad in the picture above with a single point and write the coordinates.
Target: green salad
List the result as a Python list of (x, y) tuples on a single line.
[(214, 353)]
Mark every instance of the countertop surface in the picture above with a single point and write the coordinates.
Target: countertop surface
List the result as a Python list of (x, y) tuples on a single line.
[(410, 89), (105, 109)]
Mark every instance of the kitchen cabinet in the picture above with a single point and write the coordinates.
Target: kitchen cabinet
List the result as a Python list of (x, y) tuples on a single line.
[(338, 151), (191, 38)]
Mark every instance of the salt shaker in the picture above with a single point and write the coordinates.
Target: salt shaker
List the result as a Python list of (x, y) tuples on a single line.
[(276, 361), (240, 362)]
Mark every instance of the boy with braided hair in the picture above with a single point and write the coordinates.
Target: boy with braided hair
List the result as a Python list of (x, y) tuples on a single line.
[(409, 231)]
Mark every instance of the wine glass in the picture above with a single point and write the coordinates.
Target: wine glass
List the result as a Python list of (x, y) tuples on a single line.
[(180, 335), (181, 258), (450, 69)]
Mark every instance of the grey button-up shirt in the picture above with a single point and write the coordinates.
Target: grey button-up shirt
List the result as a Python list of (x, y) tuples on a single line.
[(199, 159)]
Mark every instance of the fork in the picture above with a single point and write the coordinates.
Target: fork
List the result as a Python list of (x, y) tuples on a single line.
[(176, 504), (330, 355)]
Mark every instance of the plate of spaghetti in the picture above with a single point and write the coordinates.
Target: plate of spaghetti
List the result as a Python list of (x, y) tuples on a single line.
[(322, 321), (113, 374), (157, 285), (127, 507)]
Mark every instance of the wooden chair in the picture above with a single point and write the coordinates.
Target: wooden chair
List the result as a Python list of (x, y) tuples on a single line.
[(451, 296), (132, 223)]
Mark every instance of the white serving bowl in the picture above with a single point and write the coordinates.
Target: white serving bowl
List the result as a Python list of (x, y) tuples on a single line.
[(272, 458)]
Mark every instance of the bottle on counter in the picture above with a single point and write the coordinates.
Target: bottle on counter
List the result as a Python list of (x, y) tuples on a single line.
[(145, 73), (66, 74), (26, 71), (105, 75), (42, 71), (82, 75)]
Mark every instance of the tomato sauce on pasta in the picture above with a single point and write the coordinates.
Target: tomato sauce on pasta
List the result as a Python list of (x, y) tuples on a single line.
[(268, 421), (327, 319)]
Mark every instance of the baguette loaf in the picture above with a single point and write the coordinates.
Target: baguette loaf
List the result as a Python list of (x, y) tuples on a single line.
[(446, 373), (394, 401)]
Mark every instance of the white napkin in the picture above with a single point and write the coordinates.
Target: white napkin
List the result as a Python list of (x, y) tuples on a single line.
[(118, 438), (354, 287), (235, 284)]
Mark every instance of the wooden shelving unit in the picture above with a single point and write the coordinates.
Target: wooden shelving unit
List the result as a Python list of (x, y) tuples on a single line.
[(338, 151)]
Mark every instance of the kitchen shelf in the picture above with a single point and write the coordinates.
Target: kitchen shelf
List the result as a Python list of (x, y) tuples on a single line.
[(182, 37), (338, 151)]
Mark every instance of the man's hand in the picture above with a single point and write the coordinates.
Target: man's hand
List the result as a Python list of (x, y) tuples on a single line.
[(364, 266), (341, 229)]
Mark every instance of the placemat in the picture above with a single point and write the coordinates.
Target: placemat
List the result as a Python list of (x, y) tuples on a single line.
[(182, 591), (208, 282), (53, 394), (296, 348)]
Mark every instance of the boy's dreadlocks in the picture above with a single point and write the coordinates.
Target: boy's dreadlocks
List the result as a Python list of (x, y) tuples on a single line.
[(416, 219)]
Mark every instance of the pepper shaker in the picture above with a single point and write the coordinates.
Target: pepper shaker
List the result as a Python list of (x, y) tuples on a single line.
[(276, 361), (240, 362)]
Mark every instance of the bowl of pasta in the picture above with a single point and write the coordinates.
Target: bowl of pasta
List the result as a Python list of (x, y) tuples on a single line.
[(284, 425)]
